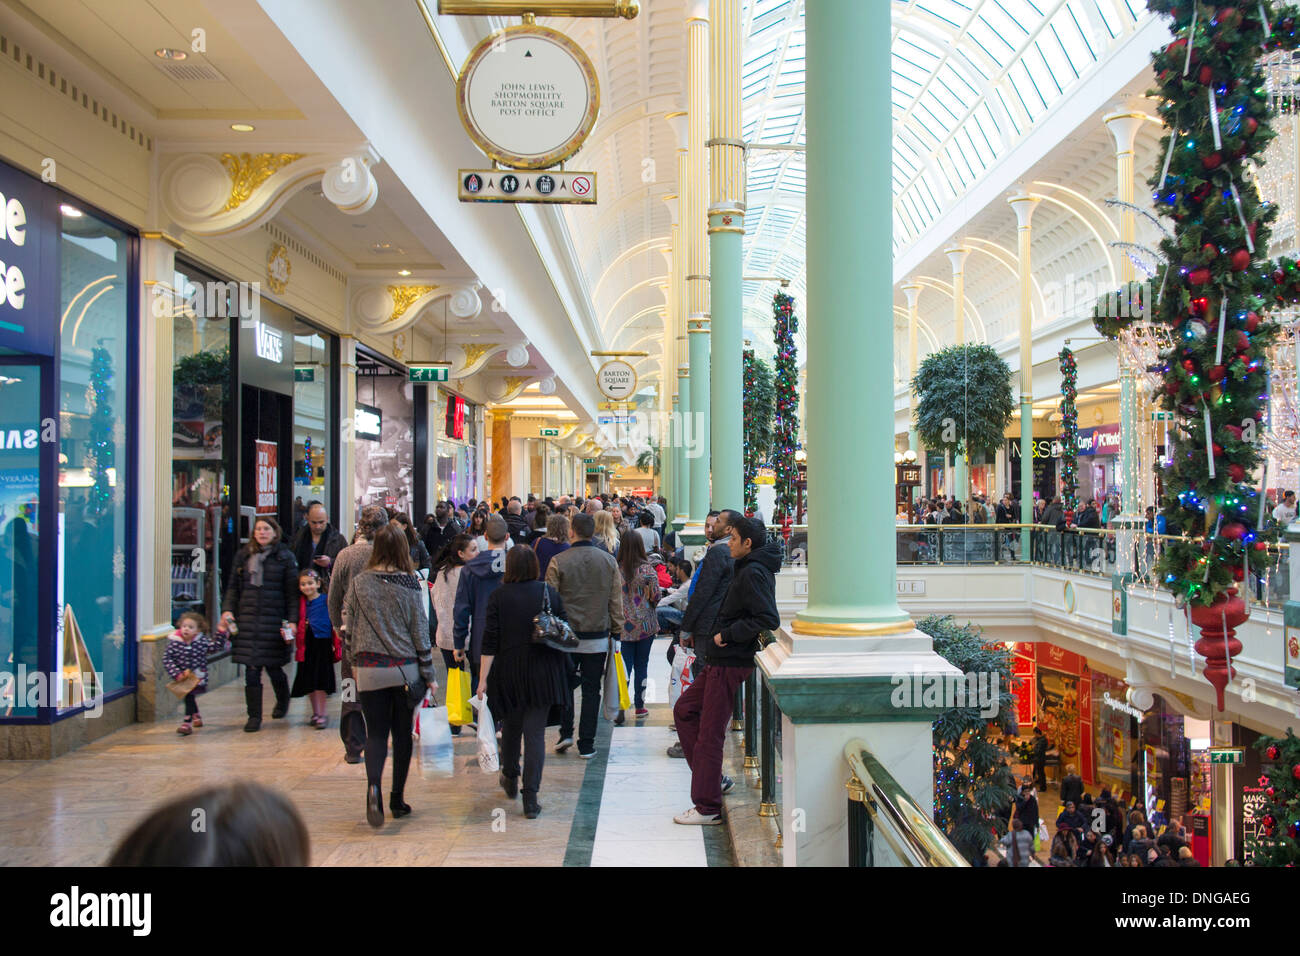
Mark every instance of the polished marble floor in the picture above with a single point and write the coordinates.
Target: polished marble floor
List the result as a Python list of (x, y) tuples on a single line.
[(615, 810)]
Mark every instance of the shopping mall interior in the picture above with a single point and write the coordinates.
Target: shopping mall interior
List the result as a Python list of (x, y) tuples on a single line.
[(268, 263)]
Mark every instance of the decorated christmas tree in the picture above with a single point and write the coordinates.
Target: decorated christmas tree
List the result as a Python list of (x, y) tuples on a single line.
[(1278, 840), (786, 427), (1069, 429), (759, 402), (100, 444), (973, 783)]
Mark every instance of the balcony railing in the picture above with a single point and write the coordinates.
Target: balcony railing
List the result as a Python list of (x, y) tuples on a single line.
[(1081, 550)]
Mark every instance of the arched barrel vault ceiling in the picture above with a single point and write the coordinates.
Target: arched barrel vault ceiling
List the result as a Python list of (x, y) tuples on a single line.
[(970, 77)]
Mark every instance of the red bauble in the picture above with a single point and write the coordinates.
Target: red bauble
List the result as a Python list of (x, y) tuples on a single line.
[(1240, 260), (1272, 792), (1217, 449), (1238, 574), (1200, 304), (1199, 276), (1214, 160), (1235, 431), (1278, 276), (1272, 753), (1171, 388), (1189, 365), (1228, 17), (1250, 126), (1236, 473), (1205, 76), (1232, 530), (1295, 771), (1216, 374), (1243, 341), (1252, 321), (1262, 546)]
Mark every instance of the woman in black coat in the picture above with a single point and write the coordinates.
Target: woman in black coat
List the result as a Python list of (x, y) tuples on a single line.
[(261, 599), (523, 679)]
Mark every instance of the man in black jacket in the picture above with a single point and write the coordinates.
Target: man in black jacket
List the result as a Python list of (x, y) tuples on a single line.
[(705, 592), (1071, 786), (516, 523), (441, 530), (724, 661), (317, 544)]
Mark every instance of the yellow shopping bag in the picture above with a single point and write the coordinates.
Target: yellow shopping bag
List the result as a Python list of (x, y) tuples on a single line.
[(459, 712), (624, 701)]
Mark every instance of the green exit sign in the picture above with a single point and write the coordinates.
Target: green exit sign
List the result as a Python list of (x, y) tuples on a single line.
[(550, 432), (428, 373), (301, 374), (588, 461), (1227, 755)]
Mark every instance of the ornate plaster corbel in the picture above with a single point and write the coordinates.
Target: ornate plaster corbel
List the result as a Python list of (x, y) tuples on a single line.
[(395, 306), (220, 194), (507, 388)]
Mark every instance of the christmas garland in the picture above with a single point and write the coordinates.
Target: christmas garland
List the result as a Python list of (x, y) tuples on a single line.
[(786, 435), (757, 402), (100, 444), (1215, 288), (1278, 841), (1069, 429)]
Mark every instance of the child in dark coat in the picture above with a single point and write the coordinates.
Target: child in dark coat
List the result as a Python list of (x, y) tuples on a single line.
[(187, 653)]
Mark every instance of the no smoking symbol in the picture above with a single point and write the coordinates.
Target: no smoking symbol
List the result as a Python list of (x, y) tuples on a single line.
[(581, 185)]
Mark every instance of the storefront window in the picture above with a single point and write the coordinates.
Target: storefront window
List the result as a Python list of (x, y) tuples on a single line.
[(20, 530), (384, 432), (313, 381), (94, 415), (202, 402)]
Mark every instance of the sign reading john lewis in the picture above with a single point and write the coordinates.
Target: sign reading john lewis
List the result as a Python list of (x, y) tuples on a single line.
[(528, 96), (28, 257)]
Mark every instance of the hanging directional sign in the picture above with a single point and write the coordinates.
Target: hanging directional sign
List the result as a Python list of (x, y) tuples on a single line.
[(501, 185), (427, 373), (616, 379), (528, 96)]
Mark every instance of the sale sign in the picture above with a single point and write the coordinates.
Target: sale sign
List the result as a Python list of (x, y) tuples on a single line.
[(268, 476)]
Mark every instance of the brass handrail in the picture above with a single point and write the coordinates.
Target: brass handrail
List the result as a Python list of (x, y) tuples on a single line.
[(911, 834)]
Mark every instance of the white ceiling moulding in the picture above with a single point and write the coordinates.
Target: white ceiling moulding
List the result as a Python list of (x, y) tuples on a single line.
[(395, 306), (221, 194)]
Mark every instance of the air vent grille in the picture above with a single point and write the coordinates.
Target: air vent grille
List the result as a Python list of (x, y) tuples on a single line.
[(192, 72)]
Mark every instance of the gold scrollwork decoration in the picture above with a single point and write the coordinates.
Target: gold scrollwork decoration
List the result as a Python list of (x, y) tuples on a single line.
[(249, 170), (404, 296), (475, 351), (516, 382)]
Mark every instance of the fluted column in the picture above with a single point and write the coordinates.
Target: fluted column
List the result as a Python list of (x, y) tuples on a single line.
[(913, 293), (694, 223), (961, 461), (1024, 206), (726, 238), (681, 500), (1123, 126)]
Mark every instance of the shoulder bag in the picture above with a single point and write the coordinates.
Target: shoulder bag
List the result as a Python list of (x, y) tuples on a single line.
[(553, 631), (415, 689)]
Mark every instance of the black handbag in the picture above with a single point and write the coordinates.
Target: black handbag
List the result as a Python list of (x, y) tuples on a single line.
[(552, 631)]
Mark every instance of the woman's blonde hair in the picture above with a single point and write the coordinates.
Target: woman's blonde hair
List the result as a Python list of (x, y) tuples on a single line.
[(605, 530)]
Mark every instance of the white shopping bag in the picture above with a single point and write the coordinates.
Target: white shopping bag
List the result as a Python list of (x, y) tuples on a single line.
[(488, 759), (682, 673), (433, 742)]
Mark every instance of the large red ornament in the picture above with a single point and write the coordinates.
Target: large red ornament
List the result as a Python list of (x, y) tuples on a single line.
[(1236, 473), (1250, 126), (1218, 623), (1213, 160), (1252, 321), (1216, 374), (1243, 341), (1228, 17), (1240, 260), (1199, 276), (1272, 753), (1233, 530), (1205, 76)]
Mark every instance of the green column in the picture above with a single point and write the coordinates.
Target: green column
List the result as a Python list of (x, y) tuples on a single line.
[(850, 393), (681, 503), (960, 478), (1128, 440), (727, 364), (697, 335)]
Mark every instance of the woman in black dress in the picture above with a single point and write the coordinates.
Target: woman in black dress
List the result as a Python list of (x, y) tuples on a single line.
[(262, 600), (525, 680)]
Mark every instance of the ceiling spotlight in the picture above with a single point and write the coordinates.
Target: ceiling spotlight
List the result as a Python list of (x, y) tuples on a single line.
[(242, 127), (403, 272), (72, 212), (167, 53)]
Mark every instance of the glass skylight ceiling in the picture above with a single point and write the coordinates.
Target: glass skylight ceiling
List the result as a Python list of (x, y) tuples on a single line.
[(969, 80)]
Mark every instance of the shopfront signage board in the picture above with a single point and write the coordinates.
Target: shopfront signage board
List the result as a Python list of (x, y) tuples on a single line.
[(268, 476), (616, 379), (367, 423), (552, 186), (29, 286), (528, 96)]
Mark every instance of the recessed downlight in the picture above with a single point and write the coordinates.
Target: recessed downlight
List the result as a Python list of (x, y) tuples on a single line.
[(167, 53), (242, 127), (72, 212), (403, 272)]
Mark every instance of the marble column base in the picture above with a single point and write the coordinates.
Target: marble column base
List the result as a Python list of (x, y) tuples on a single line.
[(832, 690)]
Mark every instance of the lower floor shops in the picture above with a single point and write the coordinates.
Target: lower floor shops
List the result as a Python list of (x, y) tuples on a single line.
[(1146, 745)]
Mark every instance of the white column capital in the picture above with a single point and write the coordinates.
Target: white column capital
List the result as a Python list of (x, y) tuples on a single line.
[(678, 120), (1124, 123), (672, 202), (913, 292), (957, 257), (1024, 204)]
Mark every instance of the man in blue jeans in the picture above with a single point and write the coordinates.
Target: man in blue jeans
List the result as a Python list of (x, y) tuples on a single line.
[(590, 584), (723, 663)]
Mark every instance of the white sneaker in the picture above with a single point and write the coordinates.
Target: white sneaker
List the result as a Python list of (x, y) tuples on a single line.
[(693, 818)]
